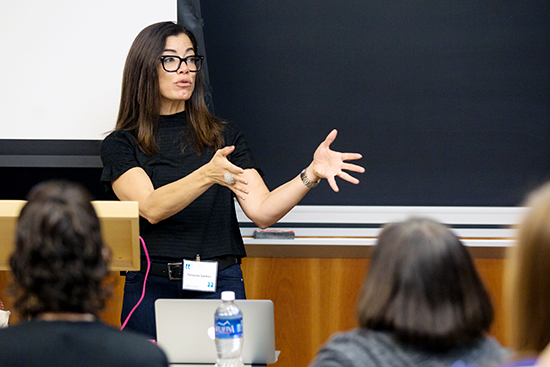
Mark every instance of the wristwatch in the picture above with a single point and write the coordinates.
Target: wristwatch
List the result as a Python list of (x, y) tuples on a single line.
[(307, 181)]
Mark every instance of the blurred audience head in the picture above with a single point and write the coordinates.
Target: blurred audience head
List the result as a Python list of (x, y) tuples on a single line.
[(423, 287), (59, 262), (527, 281)]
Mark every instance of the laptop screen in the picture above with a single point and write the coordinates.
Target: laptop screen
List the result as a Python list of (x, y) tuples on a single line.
[(183, 330)]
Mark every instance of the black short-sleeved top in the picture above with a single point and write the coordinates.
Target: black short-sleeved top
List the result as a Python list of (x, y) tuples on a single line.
[(208, 226)]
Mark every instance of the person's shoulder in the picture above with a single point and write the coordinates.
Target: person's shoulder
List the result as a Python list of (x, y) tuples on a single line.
[(21, 328), (523, 362), (491, 345), (353, 347), (129, 342), (119, 134), (110, 331), (356, 335), (118, 139), (123, 348), (230, 129), (233, 135), (357, 341), (486, 351)]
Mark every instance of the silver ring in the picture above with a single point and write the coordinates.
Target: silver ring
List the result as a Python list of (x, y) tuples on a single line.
[(229, 178)]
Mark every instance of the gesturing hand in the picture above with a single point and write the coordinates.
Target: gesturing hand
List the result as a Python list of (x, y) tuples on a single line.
[(327, 163), (219, 167)]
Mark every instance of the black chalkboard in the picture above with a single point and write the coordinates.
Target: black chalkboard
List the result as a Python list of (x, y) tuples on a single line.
[(448, 101)]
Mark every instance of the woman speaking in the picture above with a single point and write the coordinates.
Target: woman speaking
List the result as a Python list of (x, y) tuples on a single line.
[(184, 167)]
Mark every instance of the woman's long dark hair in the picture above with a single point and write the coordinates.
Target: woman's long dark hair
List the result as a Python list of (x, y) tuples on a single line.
[(140, 98), (60, 262)]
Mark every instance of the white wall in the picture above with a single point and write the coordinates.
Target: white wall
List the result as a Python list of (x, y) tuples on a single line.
[(61, 64)]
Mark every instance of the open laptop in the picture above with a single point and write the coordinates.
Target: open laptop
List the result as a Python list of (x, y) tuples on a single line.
[(183, 330)]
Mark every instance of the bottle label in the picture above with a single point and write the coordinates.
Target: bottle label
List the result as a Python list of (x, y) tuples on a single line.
[(229, 328)]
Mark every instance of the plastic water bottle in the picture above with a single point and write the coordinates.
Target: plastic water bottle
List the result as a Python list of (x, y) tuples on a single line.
[(228, 321)]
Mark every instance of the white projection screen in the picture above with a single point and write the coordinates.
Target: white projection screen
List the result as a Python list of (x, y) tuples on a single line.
[(62, 61)]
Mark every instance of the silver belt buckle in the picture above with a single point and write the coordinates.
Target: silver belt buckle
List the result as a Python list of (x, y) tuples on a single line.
[(170, 271)]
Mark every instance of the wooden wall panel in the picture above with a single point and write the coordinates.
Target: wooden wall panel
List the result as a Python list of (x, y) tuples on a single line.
[(111, 313), (313, 298), (492, 273)]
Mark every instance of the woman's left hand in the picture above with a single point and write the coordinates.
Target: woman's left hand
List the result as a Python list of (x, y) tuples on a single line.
[(327, 163)]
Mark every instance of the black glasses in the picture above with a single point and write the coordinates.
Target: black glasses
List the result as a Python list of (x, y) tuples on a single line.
[(172, 63)]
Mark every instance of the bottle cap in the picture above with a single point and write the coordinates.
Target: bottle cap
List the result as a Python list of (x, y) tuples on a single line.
[(228, 296)]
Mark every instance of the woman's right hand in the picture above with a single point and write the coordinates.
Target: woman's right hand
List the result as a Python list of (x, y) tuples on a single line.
[(219, 166)]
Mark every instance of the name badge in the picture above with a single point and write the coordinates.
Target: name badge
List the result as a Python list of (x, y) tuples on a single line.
[(200, 275)]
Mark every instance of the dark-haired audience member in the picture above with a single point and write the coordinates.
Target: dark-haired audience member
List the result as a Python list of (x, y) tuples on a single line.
[(527, 284), (59, 268), (422, 304)]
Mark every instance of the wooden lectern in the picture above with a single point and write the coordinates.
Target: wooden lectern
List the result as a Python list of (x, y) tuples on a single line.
[(119, 222)]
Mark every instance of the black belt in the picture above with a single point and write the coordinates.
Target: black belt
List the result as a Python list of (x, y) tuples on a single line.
[(174, 270)]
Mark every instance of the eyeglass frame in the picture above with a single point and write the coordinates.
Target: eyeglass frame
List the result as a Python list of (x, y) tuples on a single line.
[(182, 60)]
